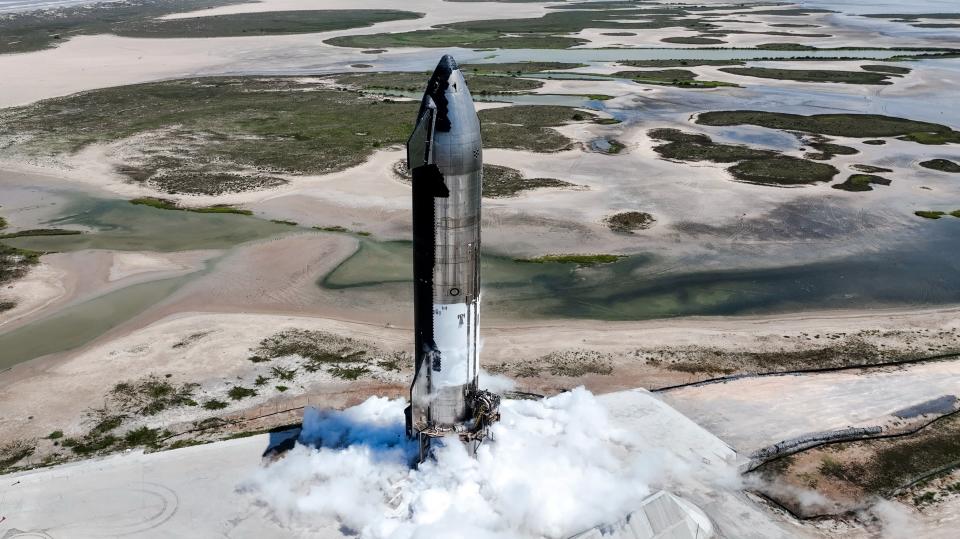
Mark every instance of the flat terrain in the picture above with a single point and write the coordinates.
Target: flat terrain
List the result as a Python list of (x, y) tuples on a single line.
[(205, 228), (152, 495)]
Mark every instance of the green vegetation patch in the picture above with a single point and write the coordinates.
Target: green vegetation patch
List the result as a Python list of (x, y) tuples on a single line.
[(528, 127), (882, 68), (150, 395), (579, 260), (548, 32), (35, 30), (679, 63), (943, 165), (480, 84), (165, 204), (789, 12), (870, 169), (827, 150), (40, 29), (262, 23), (40, 232), (782, 170), (517, 68), (693, 40), (91, 443), (629, 221), (841, 125), (761, 167), (239, 393), (670, 77), (12, 452), (929, 214), (912, 16), (143, 436), (572, 363), (502, 182), (861, 182), (698, 147), (876, 467), (218, 135), (875, 142), (342, 357), (785, 47), (498, 182), (15, 263), (214, 404), (449, 37), (348, 372), (810, 75)]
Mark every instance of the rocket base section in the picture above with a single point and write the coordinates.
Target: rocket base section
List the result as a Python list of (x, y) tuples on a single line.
[(486, 411)]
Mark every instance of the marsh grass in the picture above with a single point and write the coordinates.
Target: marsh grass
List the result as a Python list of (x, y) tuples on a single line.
[(479, 84), (811, 75), (13, 451), (891, 69), (942, 165), (528, 127), (579, 260), (861, 182), (39, 29), (841, 125), (550, 31), (342, 357), (348, 372), (231, 134), (670, 77), (239, 393), (214, 404), (757, 166), (150, 395), (33, 232), (502, 182), (870, 169), (166, 204), (571, 363), (629, 221)]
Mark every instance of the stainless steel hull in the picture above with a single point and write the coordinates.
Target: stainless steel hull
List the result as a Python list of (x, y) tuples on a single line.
[(445, 156)]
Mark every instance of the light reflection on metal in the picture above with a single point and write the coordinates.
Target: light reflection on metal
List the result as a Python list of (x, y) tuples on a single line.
[(445, 156)]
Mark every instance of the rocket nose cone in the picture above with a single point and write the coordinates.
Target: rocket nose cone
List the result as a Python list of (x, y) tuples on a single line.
[(448, 90), (447, 63)]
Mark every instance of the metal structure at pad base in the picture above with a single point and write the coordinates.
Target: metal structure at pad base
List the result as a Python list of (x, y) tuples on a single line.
[(445, 157)]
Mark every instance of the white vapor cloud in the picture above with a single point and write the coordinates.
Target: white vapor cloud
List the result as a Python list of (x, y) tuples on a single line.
[(553, 467), (495, 383)]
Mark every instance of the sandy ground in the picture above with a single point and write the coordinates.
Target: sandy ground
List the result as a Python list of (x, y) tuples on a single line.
[(219, 358), (152, 495)]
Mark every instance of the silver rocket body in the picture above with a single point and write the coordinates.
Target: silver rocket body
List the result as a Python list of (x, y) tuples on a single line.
[(445, 157)]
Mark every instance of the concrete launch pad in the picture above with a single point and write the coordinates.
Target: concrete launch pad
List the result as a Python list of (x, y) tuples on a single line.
[(199, 491)]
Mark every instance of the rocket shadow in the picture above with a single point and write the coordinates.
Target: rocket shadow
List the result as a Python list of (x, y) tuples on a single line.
[(384, 438)]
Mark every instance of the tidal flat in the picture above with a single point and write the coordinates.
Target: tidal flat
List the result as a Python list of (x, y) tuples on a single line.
[(224, 135), (633, 192)]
